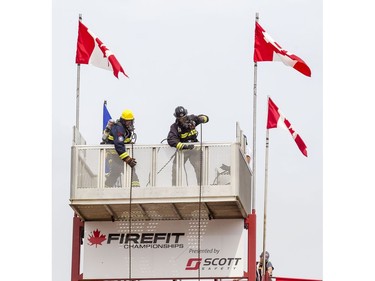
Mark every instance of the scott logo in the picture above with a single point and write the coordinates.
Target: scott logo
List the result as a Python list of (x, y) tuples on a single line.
[(193, 264)]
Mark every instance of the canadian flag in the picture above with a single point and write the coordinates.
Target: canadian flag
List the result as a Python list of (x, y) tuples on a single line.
[(91, 50), (266, 49), (277, 120)]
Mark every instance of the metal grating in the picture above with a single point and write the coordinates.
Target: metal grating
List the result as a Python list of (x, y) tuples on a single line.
[(160, 211)]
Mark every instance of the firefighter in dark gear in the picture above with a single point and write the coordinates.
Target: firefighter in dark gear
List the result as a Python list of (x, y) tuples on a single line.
[(182, 135), (121, 133)]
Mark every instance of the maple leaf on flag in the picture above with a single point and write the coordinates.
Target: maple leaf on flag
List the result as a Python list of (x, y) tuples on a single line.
[(96, 238), (276, 120), (266, 49), (91, 50)]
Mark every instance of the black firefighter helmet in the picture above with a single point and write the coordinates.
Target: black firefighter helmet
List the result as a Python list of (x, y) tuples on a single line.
[(180, 111)]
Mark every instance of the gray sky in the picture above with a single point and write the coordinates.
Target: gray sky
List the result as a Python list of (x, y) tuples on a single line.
[(199, 55)]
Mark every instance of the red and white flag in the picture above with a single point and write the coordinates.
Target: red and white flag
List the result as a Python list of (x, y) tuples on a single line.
[(277, 120), (90, 50), (266, 49)]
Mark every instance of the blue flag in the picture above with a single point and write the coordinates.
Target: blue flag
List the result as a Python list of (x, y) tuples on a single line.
[(106, 118), (106, 115)]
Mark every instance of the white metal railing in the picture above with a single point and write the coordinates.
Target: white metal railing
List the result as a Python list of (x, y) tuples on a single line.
[(157, 165), (219, 164)]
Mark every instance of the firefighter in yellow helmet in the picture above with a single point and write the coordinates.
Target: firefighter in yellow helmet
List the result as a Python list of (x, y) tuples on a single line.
[(121, 133)]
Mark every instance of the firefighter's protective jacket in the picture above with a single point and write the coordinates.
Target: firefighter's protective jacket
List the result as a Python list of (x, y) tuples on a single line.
[(119, 136), (182, 133)]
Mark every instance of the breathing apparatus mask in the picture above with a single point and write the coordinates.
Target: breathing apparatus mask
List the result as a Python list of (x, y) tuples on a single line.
[(186, 123), (128, 124)]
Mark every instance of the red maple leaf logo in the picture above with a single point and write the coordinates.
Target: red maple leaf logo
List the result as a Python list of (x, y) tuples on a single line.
[(96, 238)]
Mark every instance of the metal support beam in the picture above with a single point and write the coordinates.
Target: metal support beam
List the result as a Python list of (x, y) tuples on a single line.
[(78, 225), (176, 211), (250, 222)]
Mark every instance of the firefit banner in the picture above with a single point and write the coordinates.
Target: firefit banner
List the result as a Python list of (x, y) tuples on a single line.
[(161, 249)]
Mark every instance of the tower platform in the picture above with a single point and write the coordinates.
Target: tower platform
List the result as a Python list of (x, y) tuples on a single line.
[(225, 191)]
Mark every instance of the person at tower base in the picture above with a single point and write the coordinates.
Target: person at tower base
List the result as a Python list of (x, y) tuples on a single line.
[(121, 133), (268, 270), (182, 134)]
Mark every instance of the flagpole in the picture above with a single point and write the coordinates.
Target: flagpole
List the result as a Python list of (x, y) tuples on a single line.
[(104, 106), (254, 127), (252, 246), (265, 203), (78, 87)]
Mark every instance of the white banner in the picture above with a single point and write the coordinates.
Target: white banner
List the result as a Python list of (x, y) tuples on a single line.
[(164, 249)]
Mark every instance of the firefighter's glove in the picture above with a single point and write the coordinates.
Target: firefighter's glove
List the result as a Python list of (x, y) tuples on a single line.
[(130, 161), (203, 118), (188, 146)]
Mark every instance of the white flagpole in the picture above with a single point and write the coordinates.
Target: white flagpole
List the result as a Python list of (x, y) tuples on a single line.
[(78, 85), (265, 203), (254, 127)]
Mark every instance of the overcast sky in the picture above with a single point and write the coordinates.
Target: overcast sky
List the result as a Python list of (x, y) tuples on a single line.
[(197, 54)]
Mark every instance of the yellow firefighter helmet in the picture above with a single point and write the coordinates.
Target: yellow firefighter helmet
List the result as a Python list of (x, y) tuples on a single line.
[(127, 114)]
